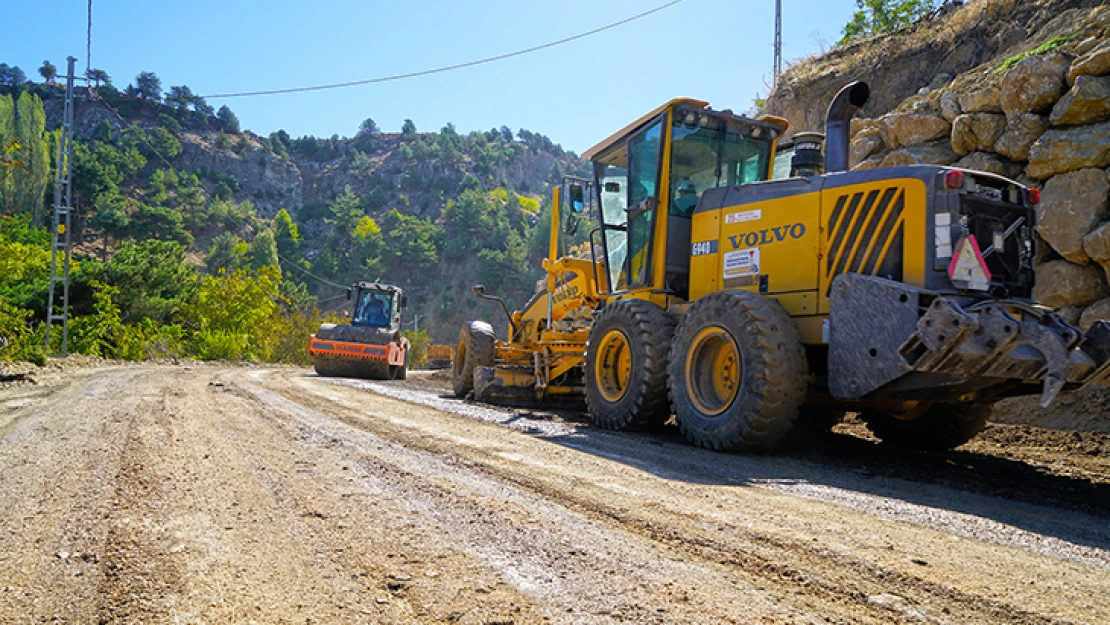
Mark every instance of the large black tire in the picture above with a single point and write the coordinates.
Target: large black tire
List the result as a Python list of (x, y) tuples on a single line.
[(626, 366), (475, 349), (939, 427), (738, 372)]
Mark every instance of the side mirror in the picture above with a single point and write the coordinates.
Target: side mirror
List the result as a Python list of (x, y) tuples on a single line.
[(350, 293), (478, 290), (404, 302), (577, 198), (612, 187)]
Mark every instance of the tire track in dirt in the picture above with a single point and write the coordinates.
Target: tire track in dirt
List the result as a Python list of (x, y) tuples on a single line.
[(770, 557)]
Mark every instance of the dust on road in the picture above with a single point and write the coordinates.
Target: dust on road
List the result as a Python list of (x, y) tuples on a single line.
[(238, 495)]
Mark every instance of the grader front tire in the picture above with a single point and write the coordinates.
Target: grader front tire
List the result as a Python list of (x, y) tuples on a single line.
[(475, 349), (737, 372), (626, 366)]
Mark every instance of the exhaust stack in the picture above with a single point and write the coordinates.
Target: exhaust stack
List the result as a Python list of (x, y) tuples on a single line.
[(837, 125)]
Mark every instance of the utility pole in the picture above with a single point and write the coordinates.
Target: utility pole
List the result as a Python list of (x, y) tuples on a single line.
[(60, 233), (778, 42)]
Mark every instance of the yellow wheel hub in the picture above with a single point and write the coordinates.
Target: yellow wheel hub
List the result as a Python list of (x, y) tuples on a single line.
[(460, 357), (614, 365), (713, 371)]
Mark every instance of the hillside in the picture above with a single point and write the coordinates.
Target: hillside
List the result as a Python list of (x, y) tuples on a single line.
[(417, 188)]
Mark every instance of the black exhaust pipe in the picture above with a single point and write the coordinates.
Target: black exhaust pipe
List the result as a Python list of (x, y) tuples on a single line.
[(838, 127)]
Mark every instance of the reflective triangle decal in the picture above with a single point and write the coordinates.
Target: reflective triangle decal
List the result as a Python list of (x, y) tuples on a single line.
[(967, 269)]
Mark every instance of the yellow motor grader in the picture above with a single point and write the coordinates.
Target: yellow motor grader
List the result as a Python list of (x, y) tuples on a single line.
[(733, 301)]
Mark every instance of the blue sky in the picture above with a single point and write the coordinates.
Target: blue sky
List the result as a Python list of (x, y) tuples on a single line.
[(577, 93)]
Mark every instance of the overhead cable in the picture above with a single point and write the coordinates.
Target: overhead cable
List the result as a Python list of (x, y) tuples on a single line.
[(447, 68)]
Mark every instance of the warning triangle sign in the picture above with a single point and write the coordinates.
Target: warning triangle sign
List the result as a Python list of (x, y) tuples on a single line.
[(967, 269)]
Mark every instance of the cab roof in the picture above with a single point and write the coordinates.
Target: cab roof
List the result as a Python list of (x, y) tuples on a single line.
[(617, 136)]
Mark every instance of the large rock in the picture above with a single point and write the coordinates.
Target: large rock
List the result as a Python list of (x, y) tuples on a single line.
[(1068, 149), (932, 153), (1020, 134), (1071, 206), (1097, 243), (1087, 102), (873, 162), (1060, 283), (902, 129), (1097, 246), (1034, 84), (1093, 63), (1099, 311), (950, 106), (992, 163), (865, 144), (976, 132), (981, 101)]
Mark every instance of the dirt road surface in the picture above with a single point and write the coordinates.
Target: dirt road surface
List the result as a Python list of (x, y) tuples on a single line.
[(246, 495)]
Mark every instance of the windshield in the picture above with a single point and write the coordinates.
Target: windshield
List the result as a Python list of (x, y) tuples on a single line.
[(373, 308), (708, 152)]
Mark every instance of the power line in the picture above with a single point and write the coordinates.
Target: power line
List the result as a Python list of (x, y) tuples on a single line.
[(447, 68), (294, 265)]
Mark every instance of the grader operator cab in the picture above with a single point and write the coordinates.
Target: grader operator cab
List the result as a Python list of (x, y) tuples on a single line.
[(371, 346), (732, 300)]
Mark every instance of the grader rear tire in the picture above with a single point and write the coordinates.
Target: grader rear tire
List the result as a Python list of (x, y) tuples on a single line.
[(475, 349), (626, 366), (737, 372), (938, 428)]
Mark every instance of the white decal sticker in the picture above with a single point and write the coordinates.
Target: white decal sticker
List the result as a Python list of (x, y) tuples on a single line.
[(735, 218), (742, 263)]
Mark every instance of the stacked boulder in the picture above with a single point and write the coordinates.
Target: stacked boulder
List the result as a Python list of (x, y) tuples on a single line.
[(1044, 121)]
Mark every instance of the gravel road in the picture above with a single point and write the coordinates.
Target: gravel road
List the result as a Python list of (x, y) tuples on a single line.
[(200, 494)]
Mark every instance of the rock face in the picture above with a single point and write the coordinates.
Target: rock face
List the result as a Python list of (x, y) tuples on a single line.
[(1060, 283), (1071, 205), (1096, 62), (1067, 149), (934, 153), (1097, 246), (866, 143), (985, 161), (981, 101), (1034, 84), (1020, 135), (975, 132), (1087, 102), (902, 129), (1099, 311)]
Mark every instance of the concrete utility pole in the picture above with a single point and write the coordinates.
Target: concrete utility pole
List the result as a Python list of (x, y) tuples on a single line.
[(778, 42), (60, 234)]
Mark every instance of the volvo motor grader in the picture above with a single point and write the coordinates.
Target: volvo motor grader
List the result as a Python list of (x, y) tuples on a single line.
[(371, 346), (734, 301)]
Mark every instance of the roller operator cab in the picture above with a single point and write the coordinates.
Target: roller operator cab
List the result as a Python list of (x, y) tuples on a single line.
[(903, 293), (371, 346)]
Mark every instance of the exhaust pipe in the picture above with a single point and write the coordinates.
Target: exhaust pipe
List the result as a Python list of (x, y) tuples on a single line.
[(838, 127)]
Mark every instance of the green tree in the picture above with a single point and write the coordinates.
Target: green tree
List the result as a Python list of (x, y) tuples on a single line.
[(228, 119), (408, 130), (410, 242), (24, 121), (368, 128), (148, 86), (287, 236), (873, 17), (103, 131), (11, 76), (158, 222), (262, 252), (154, 280), (346, 212), (99, 76), (110, 215), (48, 71), (227, 253)]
